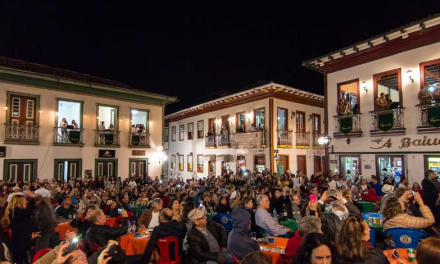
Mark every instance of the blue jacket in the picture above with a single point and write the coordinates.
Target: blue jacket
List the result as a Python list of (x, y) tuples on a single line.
[(377, 187), (197, 197), (239, 242)]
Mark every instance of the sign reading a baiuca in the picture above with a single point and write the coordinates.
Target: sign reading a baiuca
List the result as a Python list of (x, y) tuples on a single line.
[(407, 142), (385, 121), (346, 124), (434, 116)]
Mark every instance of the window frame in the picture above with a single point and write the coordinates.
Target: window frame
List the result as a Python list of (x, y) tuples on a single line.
[(203, 129), (399, 80), (81, 114), (147, 124), (318, 116), (10, 95), (200, 171), (303, 121), (255, 116), (422, 70), (237, 125), (173, 164), (116, 124), (188, 163), (212, 121), (173, 133), (187, 132), (182, 168), (166, 131), (287, 119), (181, 132), (338, 96)]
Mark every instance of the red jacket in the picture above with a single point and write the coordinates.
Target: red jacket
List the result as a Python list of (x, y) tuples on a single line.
[(293, 244)]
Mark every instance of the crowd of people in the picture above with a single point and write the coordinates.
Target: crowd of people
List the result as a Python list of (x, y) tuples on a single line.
[(326, 208)]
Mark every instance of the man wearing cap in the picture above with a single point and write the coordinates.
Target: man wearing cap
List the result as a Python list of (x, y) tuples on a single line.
[(388, 191), (207, 240), (16, 190), (150, 218), (66, 209), (167, 227)]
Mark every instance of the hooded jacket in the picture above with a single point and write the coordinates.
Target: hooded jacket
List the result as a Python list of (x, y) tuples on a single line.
[(239, 242)]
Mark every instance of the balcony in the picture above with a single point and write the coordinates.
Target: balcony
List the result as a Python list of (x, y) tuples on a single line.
[(315, 142), (224, 140), (428, 118), (107, 138), (302, 140), (68, 137), (284, 139), (22, 134), (387, 122), (242, 139), (139, 140), (210, 142), (351, 126)]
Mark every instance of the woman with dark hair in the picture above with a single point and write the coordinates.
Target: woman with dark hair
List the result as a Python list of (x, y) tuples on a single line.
[(223, 206), (352, 244), (431, 191), (428, 251), (174, 205), (315, 248)]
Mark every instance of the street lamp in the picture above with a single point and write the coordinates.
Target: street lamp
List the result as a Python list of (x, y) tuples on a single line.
[(324, 140)]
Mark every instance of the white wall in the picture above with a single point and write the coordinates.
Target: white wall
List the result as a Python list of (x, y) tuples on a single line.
[(46, 152), (408, 60)]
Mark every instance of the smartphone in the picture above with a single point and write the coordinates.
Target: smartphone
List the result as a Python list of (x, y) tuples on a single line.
[(413, 193), (331, 193), (119, 210), (396, 254), (223, 190), (73, 245), (113, 248), (271, 240), (313, 198)]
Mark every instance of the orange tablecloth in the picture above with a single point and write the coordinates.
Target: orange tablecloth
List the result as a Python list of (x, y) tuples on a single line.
[(133, 245), (403, 253), (63, 228), (275, 257)]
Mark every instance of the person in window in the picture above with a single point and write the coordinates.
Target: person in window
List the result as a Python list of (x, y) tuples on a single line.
[(425, 95), (388, 100), (210, 133), (111, 127), (241, 129), (341, 107), (101, 126), (63, 126), (381, 103), (133, 129), (74, 124), (253, 128)]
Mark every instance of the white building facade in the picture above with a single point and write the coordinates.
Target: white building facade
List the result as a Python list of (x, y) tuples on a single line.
[(271, 126), (404, 136), (38, 143)]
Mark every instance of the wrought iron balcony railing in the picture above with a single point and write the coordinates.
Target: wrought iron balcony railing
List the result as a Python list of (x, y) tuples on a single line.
[(302, 139), (284, 138), (109, 138), (22, 133), (423, 117), (210, 141), (139, 140), (315, 142), (387, 119), (355, 123), (223, 140), (65, 136)]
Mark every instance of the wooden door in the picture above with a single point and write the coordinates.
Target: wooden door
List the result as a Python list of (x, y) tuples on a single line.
[(23, 110), (66, 169), (301, 163), (106, 168), (20, 171), (282, 164), (137, 168), (317, 164)]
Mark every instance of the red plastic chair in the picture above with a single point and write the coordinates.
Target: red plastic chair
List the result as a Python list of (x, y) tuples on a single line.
[(110, 224), (371, 196), (164, 245), (41, 253), (286, 258), (236, 261), (93, 247)]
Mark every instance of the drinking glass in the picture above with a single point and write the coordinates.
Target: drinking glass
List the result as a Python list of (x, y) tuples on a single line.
[(254, 235)]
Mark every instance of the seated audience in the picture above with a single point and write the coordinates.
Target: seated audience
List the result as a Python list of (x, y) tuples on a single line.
[(294, 208), (150, 218), (308, 224), (352, 244), (167, 227), (314, 248), (239, 242), (100, 233), (223, 207), (83, 224), (114, 208), (66, 210), (207, 240), (264, 220), (256, 257), (428, 251), (394, 215)]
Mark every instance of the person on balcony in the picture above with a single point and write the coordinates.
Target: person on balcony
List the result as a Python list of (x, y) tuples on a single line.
[(74, 124), (102, 126), (341, 107), (241, 129), (253, 128), (210, 133), (133, 129), (425, 95), (111, 127), (381, 103), (389, 101)]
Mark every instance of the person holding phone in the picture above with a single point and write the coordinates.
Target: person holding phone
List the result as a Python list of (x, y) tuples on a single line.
[(100, 233)]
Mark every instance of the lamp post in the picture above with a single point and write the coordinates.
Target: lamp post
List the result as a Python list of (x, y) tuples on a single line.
[(325, 140)]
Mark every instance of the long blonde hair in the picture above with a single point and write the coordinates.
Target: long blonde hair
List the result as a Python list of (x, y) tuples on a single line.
[(17, 202)]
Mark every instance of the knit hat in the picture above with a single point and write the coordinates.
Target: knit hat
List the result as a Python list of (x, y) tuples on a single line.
[(387, 188)]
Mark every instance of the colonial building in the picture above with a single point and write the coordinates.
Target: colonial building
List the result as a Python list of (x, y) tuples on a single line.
[(383, 102), (58, 123), (270, 126)]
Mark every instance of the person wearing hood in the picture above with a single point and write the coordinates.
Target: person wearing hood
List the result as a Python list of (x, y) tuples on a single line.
[(239, 242)]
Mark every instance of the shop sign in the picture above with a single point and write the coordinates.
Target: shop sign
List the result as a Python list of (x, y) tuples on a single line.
[(138, 152), (434, 116), (333, 161), (385, 121), (407, 142), (135, 139), (346, 124), (107, 153), (2, 151)]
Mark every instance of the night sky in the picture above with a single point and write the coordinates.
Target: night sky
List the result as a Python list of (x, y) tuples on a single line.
[(193, 50)]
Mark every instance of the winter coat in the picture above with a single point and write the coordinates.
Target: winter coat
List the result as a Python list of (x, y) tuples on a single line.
[(408, 221), (101, 234), (374, 256), (239, 242)]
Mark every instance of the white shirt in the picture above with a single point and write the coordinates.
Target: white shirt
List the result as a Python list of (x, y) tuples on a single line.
[(154, 220), (132, 184), (333, 185), (297, 182), (44, 192)]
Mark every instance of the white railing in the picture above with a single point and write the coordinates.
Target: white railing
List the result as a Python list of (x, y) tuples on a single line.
[(139, 140), (68, 136), (210, 141), (284, 137), (398, 118), (302, 139), (22, 133), (356, 127)]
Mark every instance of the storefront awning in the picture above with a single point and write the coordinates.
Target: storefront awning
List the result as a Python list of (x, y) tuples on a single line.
[(209, 157), (226, 158)]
